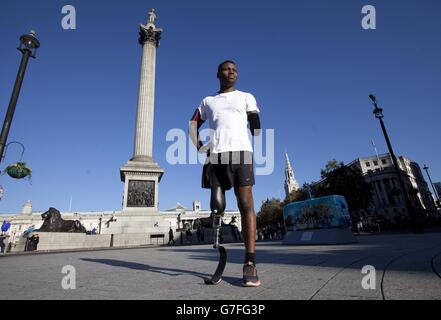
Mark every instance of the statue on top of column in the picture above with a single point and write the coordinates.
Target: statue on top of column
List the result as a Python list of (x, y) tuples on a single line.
[(152, 16), (149, 32)]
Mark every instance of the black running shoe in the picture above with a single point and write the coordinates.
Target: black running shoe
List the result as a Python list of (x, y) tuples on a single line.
[(250, 278)]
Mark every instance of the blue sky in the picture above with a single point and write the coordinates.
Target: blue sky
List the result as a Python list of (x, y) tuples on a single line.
[(309, 64)]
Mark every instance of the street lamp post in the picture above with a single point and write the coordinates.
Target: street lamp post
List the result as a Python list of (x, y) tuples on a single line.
[(378, 112), (28, 47), (433, 187)]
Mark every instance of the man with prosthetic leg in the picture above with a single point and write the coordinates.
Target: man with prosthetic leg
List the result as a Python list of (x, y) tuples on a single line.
[(217, 206), (229, 161)]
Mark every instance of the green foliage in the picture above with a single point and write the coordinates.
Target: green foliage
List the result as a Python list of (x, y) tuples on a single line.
[(346, 181), (301, 194), (331, 166), (18, 171), (271, 213)]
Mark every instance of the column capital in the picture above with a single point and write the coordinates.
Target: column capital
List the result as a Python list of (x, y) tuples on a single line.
[(149, 33)]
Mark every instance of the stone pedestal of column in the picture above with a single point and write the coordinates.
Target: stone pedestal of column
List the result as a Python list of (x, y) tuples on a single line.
[(141, 181)]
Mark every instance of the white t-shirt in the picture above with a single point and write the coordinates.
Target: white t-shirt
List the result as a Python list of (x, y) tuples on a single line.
[(227, 117)]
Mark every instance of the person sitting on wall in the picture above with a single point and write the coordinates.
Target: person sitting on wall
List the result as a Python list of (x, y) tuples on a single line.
[(35, 239)]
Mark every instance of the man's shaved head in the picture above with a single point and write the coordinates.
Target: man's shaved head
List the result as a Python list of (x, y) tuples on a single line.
[(224, 62)]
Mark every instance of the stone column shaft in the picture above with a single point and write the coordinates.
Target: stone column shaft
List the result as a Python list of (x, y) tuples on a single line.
[(146, 99)]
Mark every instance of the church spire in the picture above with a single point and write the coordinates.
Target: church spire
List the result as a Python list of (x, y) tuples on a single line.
[(290, 181)]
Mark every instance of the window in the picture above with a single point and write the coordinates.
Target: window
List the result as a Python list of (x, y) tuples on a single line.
[(368, 164), (375, 163), (383, 161)]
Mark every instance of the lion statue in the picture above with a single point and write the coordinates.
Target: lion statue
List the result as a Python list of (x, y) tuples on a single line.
[(53, 222)]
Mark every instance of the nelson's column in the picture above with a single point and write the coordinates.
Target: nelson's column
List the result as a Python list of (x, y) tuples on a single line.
[(141, 174)]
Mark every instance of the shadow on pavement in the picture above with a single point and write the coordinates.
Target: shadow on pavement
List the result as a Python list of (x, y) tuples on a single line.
[(145, 267), (167, 271), (366, 251)]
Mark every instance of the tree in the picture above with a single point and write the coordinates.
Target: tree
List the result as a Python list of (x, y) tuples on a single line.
[(346, 181), (331, 166), (303, 193), (271, 213)]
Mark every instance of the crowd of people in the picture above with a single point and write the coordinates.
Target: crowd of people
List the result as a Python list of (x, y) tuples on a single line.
[(271, 232)]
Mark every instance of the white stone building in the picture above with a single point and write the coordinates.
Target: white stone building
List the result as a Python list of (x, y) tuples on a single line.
[(151, 226), (387, 200)]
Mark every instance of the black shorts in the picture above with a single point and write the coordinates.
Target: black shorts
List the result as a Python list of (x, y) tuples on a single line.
[(228, 169)]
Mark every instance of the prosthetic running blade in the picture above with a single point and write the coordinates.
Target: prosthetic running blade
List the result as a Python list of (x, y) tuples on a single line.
[(217, 277)]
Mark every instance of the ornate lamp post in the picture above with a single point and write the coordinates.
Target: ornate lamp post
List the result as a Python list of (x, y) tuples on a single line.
[(433, 187), (378, 112), (28, 47)]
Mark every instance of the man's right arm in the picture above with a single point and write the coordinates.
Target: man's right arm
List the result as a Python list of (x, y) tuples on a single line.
[(193, 129)]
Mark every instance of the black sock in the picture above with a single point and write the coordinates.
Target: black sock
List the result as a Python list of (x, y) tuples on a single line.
[(249, 257)]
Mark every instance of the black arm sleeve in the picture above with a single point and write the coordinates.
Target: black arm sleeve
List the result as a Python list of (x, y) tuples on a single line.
[(254, 120), (197, 118)]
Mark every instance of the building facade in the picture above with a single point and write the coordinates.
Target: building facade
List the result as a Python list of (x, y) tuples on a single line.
[(387, 200), (437, 186), (178, 218)]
